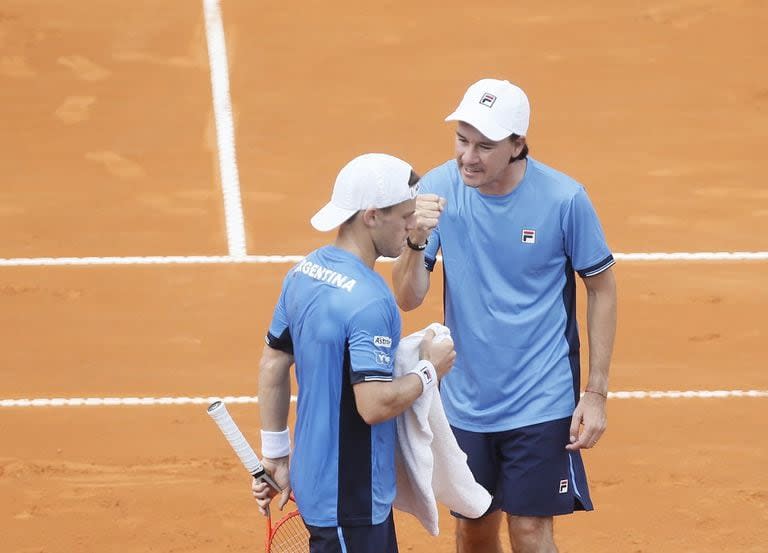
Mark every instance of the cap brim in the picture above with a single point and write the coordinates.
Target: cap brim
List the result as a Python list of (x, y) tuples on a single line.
[(482, 123), (330, 217)]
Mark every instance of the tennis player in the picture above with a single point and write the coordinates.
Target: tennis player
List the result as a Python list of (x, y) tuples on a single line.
[(512, 232), (337, 320)]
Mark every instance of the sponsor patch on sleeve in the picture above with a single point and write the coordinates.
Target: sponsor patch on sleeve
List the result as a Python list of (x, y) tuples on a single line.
[(382, 341)]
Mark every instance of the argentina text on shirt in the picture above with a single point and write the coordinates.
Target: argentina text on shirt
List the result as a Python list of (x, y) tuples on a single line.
[(324, 274)]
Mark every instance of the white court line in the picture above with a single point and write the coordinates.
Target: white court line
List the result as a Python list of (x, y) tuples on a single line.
[(149, 260), (111, 401), (131, 401), (225, 129), (283, 259)]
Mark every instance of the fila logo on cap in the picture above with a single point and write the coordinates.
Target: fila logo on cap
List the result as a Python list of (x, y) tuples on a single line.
[(529, 236), (563, 486), (487, 99)]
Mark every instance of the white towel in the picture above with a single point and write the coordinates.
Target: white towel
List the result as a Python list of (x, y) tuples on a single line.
[(430, 464)]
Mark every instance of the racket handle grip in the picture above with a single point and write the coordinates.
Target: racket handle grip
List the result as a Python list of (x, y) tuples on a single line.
[(218, 412), (265, 477)]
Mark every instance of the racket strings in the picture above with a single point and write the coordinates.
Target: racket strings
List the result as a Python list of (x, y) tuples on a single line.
[(291, 536)]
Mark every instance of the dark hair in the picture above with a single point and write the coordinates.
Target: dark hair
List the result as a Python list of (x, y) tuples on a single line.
[(523, 153), (414, 179)]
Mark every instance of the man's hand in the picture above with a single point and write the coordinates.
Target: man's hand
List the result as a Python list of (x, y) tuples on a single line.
[(589, 413), (440, 353), (263, 492), (429, 207)]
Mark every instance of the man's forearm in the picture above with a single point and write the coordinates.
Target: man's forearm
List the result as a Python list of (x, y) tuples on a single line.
[(601, 328), (410, 279), (274, 389)]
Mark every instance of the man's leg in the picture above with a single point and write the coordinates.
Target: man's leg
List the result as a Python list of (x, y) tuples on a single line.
[(540, 479), (479, 535), (531, 534)]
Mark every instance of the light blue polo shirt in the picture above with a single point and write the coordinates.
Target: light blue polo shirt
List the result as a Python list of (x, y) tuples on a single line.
[(510, 294), (340, 320)]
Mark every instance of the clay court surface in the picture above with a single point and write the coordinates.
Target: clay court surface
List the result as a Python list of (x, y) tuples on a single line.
[(109, 148)]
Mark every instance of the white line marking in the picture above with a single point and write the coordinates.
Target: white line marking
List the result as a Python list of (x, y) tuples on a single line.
[(122, 401), (694, 256), (699, 394), (111, 401), (284, 259), (225, 133), (152, 260)]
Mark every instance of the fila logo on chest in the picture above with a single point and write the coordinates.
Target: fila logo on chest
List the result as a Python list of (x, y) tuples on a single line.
[(528, 236)]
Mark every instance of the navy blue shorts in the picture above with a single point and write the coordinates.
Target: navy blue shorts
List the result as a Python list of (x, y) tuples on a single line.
[(379, 538), (528, 470)]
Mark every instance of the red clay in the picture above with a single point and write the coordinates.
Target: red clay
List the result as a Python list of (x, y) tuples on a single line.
[(108, 149)]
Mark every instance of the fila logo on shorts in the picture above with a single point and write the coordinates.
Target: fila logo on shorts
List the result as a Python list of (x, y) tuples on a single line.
[(529, 236), (487, 99), (563, 486)]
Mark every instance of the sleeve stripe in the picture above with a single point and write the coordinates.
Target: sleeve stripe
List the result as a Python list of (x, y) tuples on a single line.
[(598, 268), (373, 378)]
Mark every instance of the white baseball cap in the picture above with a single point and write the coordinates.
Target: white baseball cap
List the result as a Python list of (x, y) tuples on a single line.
[(496, 108), (368, 181)]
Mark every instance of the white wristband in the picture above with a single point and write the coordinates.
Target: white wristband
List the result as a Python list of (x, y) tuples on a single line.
[(275, 444), (426, 371)]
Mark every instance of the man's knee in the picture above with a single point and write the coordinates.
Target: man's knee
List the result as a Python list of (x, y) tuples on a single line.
[(531, 533), (478, 535)]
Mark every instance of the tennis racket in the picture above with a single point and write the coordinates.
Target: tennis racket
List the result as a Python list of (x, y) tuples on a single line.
[(287, 535)]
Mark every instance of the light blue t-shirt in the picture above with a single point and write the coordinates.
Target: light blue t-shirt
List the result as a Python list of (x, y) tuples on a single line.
[(510, 294), (340, 321)]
